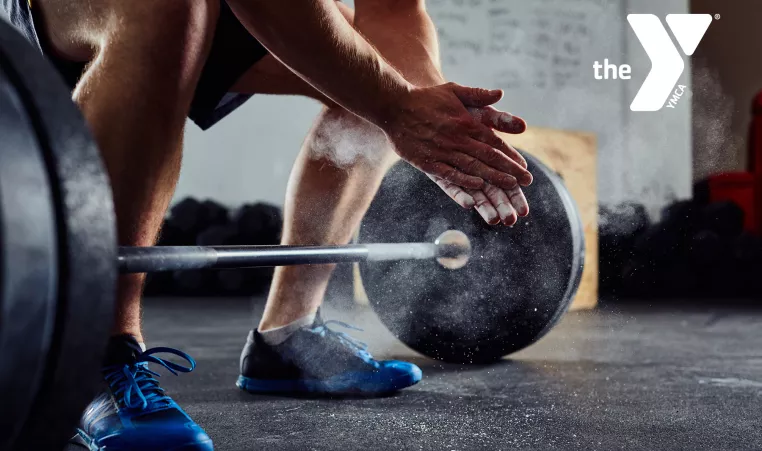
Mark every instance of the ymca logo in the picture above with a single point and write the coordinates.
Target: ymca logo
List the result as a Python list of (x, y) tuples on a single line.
[(666, 62)]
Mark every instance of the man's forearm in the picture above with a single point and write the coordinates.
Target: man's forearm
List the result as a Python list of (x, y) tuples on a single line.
[(314, 39), (405, 35), (429, 127)]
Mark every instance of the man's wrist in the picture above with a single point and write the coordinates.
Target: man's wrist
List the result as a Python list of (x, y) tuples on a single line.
[(391, 103)]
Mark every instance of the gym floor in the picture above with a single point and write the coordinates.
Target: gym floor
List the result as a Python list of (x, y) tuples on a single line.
[(661, 377)]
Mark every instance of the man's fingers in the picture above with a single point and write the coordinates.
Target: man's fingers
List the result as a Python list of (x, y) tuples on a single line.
[(455, 192), (496, 167), (502, 203), (517, 157), (476, 168), (499, 120), (476, 97), (487, 136), (449, 173), (493, 204), (519, 201), (484, 207)]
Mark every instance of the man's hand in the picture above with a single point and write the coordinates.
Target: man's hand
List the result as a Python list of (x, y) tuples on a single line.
[(432, 129), (492, 203)]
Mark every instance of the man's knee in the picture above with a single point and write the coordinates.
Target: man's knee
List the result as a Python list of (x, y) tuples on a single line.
[(186, 23), (347, 141), (78, 30), (166, 39)]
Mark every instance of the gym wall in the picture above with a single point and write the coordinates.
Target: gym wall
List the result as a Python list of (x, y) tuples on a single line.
[(248, 156)]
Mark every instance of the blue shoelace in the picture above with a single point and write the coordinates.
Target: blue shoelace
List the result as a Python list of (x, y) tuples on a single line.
[(360, 348), (136, 385)]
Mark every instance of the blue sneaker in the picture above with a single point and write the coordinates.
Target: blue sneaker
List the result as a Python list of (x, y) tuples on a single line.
[(318, 360), (133, 413)]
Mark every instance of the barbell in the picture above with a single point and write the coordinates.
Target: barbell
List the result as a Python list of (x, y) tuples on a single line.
[(59, 260), (451, 249)]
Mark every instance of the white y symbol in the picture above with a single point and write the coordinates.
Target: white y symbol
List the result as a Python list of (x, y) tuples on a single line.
[(666, 63)]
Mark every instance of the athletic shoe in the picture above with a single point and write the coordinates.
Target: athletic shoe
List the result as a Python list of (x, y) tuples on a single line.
[(318, 360), (133, 412)]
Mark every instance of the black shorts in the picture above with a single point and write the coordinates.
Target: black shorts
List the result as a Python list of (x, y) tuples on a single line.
[(234, 51)]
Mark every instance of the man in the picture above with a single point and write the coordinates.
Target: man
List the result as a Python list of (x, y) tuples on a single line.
[(332, 184), (137, 69)]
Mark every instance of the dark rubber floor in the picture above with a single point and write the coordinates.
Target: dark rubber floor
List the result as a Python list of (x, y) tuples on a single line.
[(624, 378)]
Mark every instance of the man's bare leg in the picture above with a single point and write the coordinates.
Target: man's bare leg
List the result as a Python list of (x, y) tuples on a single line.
[(325, 203), (135, 95), (344, 158), (146, 59)]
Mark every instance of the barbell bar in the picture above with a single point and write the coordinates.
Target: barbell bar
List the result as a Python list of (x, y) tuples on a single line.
[(451, 249)]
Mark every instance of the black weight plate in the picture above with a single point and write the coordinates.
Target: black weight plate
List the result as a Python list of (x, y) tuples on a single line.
[(519, 281), (28, 261), (87, 246)]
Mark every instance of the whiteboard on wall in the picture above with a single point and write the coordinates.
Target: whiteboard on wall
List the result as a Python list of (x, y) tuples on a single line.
[(540, 52)]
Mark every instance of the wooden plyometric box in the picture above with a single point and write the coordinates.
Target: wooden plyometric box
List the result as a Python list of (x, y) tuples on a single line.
[(572, 155)]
